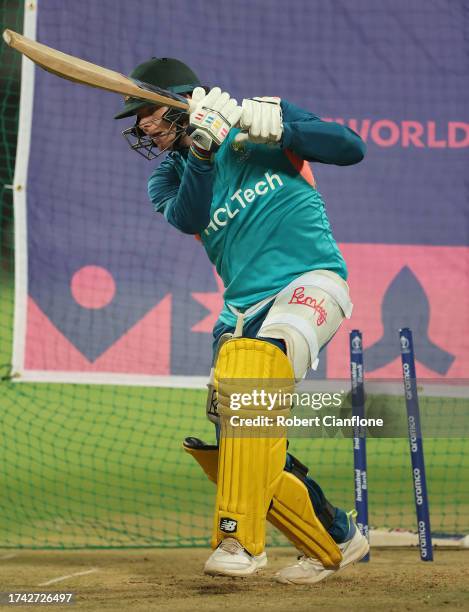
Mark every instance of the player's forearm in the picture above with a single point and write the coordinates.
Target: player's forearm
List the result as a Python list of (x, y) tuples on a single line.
[(329, 143), (189, 211), (316, 140)]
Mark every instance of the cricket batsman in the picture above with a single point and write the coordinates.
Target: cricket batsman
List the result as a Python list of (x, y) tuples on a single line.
[(255, 207)]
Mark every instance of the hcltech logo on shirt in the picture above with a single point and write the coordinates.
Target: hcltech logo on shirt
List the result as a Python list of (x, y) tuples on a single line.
[(240, 199)]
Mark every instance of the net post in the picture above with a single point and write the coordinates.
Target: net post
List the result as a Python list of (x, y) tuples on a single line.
[(359, 434), (416, 444)]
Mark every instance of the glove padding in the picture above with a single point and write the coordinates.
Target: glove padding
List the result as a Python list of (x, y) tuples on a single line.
[(212, 117), (261, 118)]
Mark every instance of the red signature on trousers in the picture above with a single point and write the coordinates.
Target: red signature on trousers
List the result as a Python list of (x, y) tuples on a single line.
[(298, 297)]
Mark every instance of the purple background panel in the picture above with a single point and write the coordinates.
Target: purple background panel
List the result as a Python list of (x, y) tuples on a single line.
[(398, 70)]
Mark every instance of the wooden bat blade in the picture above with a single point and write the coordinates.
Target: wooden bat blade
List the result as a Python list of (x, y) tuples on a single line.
[(80, 71)]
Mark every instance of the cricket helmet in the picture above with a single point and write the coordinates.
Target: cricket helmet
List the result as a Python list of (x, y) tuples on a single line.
[(165, 72)]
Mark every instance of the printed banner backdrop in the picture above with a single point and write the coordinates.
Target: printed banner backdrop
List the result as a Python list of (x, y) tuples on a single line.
[(112, 288)]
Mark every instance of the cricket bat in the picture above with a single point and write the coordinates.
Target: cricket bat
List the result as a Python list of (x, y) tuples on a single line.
[(80, 71)]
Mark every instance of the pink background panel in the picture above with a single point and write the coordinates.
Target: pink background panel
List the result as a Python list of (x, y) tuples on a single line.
[(443, 273), (144, 349)]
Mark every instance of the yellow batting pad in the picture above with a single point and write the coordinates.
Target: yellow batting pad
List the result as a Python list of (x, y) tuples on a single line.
[(291, 510), (250, 464), (293, 514), (256, 361)]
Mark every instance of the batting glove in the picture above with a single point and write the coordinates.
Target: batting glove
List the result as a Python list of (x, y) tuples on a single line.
[(261, 118), (212, 117)]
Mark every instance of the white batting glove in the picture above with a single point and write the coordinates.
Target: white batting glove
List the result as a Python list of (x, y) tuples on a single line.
[(261, 118), (212, 117)]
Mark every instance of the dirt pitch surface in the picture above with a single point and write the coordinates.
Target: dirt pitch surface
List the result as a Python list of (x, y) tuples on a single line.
[(172, 580)]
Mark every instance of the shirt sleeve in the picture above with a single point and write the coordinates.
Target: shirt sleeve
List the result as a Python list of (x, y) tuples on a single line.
[(321, 141), (183, 200)]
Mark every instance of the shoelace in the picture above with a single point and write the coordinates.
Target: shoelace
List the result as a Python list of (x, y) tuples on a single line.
[(231, 545), (310, 561), (315, 562)]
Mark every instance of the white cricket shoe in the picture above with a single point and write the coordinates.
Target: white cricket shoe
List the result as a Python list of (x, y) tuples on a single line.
[(309, 570), (231, 559)]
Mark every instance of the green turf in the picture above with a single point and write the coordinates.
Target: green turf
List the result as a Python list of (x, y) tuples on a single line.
[(104, 466)]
